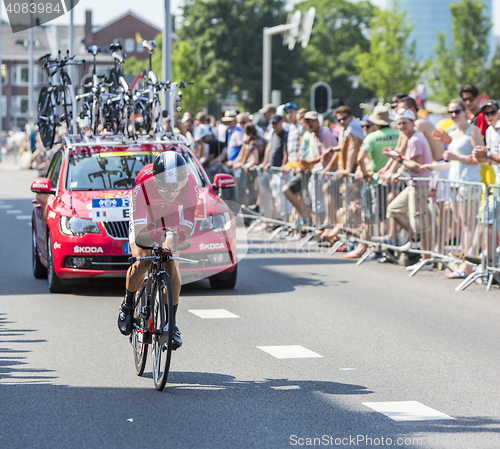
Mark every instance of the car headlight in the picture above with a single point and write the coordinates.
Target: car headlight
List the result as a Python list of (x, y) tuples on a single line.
[(78, 226), (216, 223)]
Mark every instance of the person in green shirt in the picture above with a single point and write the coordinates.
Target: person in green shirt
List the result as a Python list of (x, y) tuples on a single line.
[(371, 159)]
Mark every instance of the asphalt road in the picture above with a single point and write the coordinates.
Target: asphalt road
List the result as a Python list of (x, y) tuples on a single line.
[(67, 378)]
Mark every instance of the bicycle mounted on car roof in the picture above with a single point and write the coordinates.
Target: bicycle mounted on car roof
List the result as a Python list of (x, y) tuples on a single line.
[(110, 110)]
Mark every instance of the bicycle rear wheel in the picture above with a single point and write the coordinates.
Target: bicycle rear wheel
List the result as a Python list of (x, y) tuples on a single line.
[(67, 104), (138, 337), (46, 118), (161, 346)]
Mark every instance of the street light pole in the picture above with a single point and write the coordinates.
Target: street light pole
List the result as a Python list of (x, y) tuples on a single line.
[(31, 74), (167, 51), (268, 33)]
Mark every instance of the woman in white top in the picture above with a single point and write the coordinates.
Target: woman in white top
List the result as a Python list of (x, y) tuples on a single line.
[(490, 154), (463, 166)]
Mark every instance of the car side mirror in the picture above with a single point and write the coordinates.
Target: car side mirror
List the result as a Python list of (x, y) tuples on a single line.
[(223, 181), (42, 185)]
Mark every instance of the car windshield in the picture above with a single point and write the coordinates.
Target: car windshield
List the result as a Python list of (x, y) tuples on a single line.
[(114, 170)]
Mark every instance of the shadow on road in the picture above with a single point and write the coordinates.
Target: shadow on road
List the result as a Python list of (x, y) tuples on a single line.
[(204, 410), (13, 368)]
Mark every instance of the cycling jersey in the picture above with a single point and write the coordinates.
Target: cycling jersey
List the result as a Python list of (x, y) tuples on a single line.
[(149, 210)]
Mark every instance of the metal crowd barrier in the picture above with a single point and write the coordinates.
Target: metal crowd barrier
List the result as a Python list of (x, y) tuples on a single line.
[(450, 222)]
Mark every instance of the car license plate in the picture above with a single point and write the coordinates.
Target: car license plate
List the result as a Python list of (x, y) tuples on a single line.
[(126, 248)]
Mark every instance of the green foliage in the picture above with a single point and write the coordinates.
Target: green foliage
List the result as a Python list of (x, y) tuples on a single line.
[(339, 34), (184, 68), (390, 65), (492, 75), (226, 37), (464, 61)]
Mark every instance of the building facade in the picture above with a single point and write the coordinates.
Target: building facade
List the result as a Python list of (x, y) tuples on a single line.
[(429, 18)]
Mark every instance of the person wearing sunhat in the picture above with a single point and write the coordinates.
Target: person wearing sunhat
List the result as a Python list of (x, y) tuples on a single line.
[(263, 117), (234, 135), (371, 159)]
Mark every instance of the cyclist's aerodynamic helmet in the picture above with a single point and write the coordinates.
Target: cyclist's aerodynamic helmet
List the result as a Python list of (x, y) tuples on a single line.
[(170, 172)]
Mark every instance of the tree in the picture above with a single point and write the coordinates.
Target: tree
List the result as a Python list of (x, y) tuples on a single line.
[(184, 68), (339, 33), (226, 38), (465, 59), (391, 65)]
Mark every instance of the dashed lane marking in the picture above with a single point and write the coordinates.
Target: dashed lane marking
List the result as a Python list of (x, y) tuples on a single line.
[(5, 206), (14, 211), (213, 313), (407, 411), (24, 217), (289, 352)]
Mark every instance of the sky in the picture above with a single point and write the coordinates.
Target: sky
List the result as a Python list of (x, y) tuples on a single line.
[(104, 11)]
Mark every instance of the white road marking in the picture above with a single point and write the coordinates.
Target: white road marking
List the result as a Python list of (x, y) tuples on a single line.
[(14, 211), (24, 217), (5, 206), (289, 352), (213, 313), (287, 387), (406, 411)]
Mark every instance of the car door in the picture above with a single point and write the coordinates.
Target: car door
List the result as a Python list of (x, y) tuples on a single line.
[(44, 203)]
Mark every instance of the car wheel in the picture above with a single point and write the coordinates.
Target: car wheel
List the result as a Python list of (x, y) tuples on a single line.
[(225, 284), (39, 270), (55, 284)]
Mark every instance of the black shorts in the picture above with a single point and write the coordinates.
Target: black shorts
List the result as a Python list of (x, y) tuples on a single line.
[(295, 183)]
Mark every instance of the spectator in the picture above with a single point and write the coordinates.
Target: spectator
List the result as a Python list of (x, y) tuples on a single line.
[(253, 150), (262, 118), (313, 156), (351, 138), (409, 208), (422, 125), (234, 135), (276, 151), (368, 127), (490, 154), (294, 131), (463, 167)]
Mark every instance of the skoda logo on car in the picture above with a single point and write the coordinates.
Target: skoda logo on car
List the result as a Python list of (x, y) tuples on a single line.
[(87, 249)]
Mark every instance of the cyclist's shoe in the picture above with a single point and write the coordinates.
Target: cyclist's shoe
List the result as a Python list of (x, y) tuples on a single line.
[(177, 342), (125, 319)]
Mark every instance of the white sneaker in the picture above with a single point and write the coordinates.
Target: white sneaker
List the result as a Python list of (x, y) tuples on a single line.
[(426, 267)]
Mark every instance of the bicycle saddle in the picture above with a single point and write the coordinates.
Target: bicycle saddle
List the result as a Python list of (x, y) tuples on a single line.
[(150, 45), (46, 56), (115, 46), (94, 49)]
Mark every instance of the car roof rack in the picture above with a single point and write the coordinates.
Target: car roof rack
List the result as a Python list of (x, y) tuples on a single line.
[(77, 141)]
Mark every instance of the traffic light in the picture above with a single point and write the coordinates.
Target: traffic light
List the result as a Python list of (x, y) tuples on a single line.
[(321, 98)]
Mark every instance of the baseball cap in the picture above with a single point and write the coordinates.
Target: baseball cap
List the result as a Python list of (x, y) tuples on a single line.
[(492, 104), (405, 113), (291, 105), (276, 118), (366, 118), (311, 115), (280, 110)]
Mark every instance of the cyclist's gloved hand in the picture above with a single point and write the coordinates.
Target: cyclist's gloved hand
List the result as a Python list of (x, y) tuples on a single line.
[(157, 235), (181, 236)]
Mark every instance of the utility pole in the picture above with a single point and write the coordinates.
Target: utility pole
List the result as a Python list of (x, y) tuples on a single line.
[(167, 51)]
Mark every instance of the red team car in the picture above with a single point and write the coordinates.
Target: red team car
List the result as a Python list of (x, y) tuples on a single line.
[(80, 226)]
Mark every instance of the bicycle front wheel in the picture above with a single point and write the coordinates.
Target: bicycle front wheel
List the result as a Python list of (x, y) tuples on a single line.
[(139, 335), (161, 346), (46, 118)]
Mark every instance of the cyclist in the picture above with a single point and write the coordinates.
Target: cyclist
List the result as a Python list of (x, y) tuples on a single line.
[(164, 197)]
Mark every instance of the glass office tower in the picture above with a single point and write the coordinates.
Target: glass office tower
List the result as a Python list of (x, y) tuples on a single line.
[(430, 17)]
